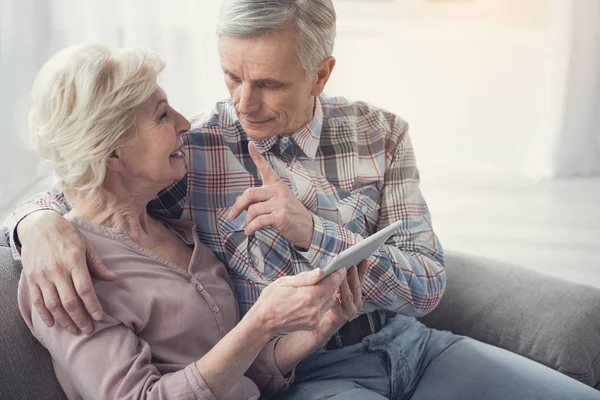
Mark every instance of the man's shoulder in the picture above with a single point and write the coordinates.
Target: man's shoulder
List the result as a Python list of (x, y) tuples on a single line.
[(217, 125), (221, 115), (339, 110)]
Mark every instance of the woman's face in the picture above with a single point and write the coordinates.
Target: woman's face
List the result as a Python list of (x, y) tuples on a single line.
[(154, 158)]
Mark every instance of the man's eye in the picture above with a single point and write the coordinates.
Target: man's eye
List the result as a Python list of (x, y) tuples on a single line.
[(163, 116)]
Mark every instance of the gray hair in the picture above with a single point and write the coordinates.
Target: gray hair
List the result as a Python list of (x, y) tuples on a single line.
[(84, 102), (314, 21)]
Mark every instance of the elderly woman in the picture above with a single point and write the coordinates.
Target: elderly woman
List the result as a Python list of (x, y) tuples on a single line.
[(171, 325)]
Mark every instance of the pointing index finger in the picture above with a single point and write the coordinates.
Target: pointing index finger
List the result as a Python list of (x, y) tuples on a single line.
[(267, 175)]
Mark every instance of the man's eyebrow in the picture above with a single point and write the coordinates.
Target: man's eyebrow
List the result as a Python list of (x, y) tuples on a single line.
[(269, 82), (230, 74), (263, 81)]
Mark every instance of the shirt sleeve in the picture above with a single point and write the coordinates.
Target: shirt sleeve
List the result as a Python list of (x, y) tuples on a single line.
[(406, 275), (54, 200), (266, 374), (114, 363)]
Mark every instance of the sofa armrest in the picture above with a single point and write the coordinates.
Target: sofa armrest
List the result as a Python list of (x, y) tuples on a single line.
[(26, 369), (549, 320)]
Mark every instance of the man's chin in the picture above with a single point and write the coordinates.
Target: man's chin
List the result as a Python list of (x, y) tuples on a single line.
[(258, 133)]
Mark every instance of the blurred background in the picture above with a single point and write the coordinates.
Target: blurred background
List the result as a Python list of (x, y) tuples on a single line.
[(502, 96)]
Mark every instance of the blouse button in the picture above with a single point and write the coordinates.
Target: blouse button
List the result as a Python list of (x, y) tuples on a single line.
[(216, 309), (199, 287)]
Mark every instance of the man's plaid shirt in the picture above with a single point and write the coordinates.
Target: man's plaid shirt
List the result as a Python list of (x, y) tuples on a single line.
[(352, 166)]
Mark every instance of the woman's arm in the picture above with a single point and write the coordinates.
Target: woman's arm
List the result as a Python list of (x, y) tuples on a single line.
[(280, 356), (113, 362), (294, 347), (293, 303)]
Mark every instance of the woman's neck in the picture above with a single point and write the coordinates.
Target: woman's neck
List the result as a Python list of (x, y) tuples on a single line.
[(122, 210)]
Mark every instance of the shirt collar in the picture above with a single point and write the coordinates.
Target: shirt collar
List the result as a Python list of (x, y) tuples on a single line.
[(307, 138)]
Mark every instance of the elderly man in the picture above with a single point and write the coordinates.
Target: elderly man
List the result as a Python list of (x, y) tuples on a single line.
[(341, 171)]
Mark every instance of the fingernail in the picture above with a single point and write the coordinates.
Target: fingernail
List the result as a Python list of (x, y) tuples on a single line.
[(97, 315), (87, 330)]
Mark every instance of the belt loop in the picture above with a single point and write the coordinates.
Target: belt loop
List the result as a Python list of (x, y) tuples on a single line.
[(338, 339), (382, 315), (371, 323)]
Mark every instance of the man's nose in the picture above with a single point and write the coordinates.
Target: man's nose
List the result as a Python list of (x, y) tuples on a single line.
[(249, 100)]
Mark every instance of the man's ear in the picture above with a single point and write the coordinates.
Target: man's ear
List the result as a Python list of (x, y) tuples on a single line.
[(113, 162), (322, 75)]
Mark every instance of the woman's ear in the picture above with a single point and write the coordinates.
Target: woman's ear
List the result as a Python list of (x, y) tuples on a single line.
[(114, 162)]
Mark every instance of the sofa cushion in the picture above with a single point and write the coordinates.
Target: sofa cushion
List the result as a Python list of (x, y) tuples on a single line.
[(549, 320), (25, 368)]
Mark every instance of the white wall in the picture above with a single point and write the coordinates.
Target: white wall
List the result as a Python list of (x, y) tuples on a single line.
[(488, 86), (569, 143)]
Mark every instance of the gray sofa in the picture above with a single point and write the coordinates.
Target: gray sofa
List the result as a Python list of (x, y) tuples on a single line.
[(548, 320)]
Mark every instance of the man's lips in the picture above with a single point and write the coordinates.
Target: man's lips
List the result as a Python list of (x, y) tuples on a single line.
[(251, 121)]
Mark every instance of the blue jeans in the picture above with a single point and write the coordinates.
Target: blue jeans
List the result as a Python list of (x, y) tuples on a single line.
[(406, 360)]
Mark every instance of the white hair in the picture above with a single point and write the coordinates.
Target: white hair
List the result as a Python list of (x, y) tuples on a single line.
[(313, 20), (84, 101)]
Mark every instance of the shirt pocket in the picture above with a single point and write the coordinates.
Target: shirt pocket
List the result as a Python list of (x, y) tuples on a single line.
[(227, 226), (359, 211)]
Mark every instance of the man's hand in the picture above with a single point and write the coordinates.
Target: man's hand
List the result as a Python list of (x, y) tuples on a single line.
[(55, 257), (274, 205)]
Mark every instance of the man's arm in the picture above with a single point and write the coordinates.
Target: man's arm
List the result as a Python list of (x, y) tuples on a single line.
[(53, 200), (406, 275), (57, 259)]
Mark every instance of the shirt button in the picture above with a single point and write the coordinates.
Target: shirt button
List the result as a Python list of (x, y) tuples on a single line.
[(199, 287), (215, 309), (285, 139), (365, 209), (323, 263)]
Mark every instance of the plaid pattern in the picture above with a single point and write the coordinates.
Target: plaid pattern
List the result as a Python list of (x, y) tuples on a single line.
[(352, 166)]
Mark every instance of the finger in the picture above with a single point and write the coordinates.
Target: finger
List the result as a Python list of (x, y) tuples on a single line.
[(72, 305), (53, 304), (38, 302), (355, 287), (346, 296), (267, 175), (306, 278), (262, 221), (363, 267), (85, 290), (257, 209), (96, 266), (334, 280), (353, 280), (249, 197)]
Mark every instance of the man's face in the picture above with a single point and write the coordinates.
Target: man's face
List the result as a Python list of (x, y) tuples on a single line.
[(270, 91)]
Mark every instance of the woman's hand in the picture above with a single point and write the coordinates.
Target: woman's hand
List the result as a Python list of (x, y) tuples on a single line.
[(348, 304), (297, 303)]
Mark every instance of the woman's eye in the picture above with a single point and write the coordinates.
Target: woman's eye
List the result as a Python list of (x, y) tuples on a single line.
[(163, 116)]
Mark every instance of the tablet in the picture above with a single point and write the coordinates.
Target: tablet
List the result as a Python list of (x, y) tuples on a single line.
[(363, 249)]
